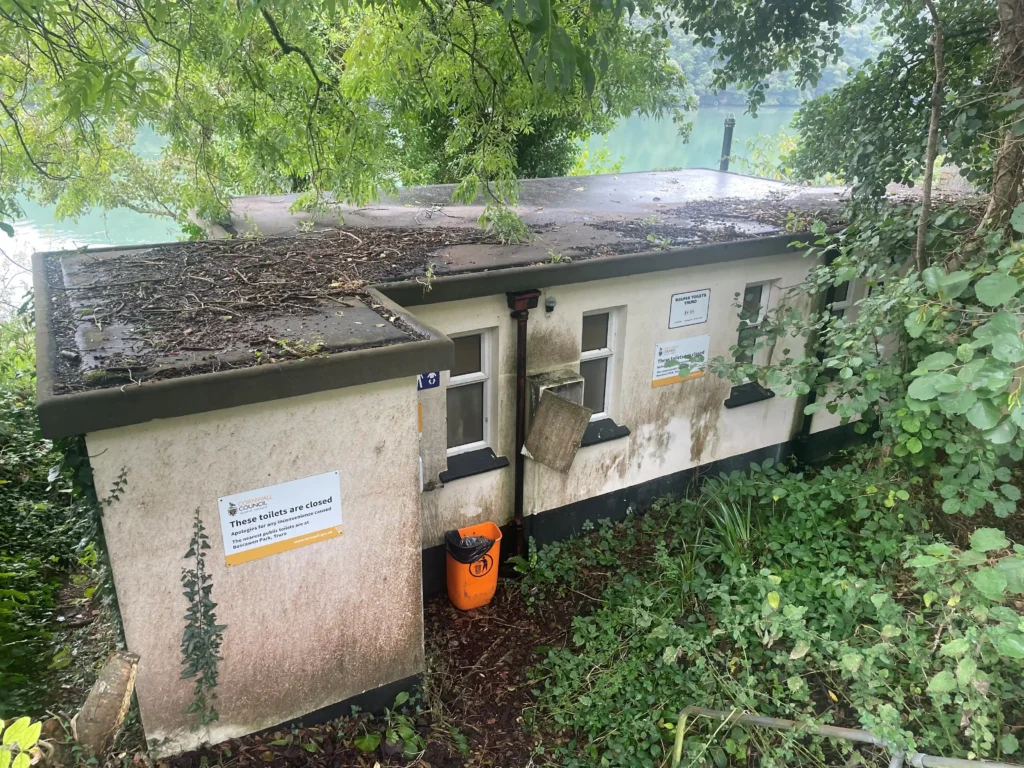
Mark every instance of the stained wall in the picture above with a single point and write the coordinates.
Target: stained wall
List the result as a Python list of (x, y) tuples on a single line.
[(305, 628)]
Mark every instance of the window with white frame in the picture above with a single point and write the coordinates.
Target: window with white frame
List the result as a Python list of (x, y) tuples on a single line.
[(842, 298), (753, 310), (597, 360), (469, 394)]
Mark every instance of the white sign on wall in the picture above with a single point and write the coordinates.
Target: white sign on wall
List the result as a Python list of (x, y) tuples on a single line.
[(690, 308), (280, 517), (689, 354)]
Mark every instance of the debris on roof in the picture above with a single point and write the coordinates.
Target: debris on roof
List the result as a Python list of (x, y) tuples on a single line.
[(128, 315), (144, 313)]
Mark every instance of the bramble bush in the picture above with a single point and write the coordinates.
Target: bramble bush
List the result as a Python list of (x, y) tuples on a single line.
[(812, 596)]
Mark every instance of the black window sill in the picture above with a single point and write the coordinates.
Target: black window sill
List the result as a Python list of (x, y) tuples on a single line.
[(746, 394), (471, 463), (601, 431)]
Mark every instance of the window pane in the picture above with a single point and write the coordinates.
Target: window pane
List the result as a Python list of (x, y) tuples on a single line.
[(467, 355), (841, 292), (746, 342), (595, 332), (465, 414), (838, 312), (751, 309), (595, 377)]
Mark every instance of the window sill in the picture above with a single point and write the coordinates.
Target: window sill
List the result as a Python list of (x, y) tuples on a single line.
[(471, 463), (746, 394), (602, 431)]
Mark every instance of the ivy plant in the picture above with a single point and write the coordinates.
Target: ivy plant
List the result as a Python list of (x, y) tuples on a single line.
[(202, 637)]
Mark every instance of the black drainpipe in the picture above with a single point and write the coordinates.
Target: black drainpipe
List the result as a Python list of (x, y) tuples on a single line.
[(520, 302)]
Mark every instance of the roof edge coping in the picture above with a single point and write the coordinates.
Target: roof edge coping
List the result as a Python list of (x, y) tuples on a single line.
[(99, 409), (473, 284)]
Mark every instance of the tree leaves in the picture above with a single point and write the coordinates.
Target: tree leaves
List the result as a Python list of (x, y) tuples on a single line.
[(1017, 218), (943, 682), (1008, 742), (22, 733), (1008, 347), (955, 648), (996, 289), (959, 403), (932, 277), (954, 284), (886, 103), (799, 650), (328, 98), (929, 386), (988, 539), (990, 582), (916, 323), (937, 361), (983, 414), (1002, 433), (1011, 645), (19, 742)]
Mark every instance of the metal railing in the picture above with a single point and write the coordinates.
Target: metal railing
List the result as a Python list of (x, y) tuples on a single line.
[(899, 757)]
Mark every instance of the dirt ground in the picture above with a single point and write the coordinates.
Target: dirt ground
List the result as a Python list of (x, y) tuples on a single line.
[(474, 706)]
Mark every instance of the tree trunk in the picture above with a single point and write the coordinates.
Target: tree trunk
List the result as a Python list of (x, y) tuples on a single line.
[(104, 710), (932, 150), (1008, 171)]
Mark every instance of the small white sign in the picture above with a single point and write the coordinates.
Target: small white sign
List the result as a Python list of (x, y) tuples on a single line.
[(690, 354), (690, 308), (280, 517)]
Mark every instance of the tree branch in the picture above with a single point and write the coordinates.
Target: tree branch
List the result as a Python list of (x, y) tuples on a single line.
[(932, 150), (39, 165), (288, 48), (1008, 170)]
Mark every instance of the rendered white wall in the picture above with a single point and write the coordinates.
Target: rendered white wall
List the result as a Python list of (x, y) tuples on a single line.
[(674, 427), (305, 628)]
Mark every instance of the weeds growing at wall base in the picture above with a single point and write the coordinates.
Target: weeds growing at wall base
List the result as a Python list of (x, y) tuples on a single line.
[(818, 597)]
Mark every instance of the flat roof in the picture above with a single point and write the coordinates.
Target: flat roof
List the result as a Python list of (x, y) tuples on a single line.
[(578, 217), (297, 289)]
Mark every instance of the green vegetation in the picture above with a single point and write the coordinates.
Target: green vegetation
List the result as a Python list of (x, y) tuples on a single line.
[(870, 129), (827, 596), (930, 360), (333, 101), (820, 597), (44, 533), (339, 101), (20, 747), (202, 636), (859, 41)]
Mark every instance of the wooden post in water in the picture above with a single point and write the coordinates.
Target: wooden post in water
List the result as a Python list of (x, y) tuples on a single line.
[(730, 123)]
